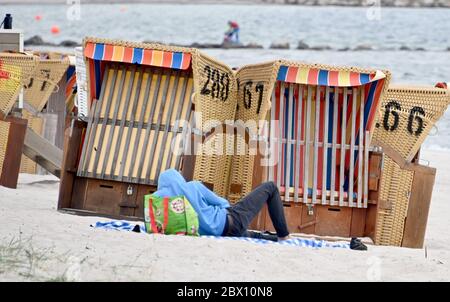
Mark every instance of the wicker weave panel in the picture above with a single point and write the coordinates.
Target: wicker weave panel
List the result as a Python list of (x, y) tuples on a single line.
[(395, 189), (396, 132), (4, 132), (15, 71), (256, 83), (44, 81), (215, 101)]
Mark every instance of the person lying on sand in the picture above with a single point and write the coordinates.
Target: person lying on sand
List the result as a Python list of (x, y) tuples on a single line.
[(216, 216)]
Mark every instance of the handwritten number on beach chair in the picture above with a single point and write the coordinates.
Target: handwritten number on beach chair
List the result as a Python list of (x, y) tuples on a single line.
[(220, 84), (259, 88), (248, 95), (225, 83), (216, 83), (389, 110), (205, 89), (416, 113)]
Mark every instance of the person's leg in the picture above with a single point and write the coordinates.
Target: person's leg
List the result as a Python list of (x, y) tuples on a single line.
[(245, 210)]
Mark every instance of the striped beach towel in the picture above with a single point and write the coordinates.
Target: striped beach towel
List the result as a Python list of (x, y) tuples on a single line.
[(300, 242)]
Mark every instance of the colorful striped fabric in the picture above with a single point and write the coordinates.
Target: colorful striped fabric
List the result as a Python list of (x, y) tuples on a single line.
[(291, 126), (71, 81), (117, 53), (313, 76)]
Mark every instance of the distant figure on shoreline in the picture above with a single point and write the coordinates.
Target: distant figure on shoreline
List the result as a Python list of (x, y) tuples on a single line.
[(232, 34)]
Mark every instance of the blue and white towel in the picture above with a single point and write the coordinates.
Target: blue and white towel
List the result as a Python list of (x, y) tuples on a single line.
[(301, 242), (117, 225)]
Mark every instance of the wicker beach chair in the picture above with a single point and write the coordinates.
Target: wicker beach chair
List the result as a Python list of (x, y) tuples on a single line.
[(408, 115), (44, 80), (306, 104), (15, 70)]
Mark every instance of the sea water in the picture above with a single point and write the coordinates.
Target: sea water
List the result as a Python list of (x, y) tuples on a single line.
[(423, 33)]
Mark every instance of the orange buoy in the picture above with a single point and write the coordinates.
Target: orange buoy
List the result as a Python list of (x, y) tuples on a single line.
[(55, 29), (38, 17), (123, 9)]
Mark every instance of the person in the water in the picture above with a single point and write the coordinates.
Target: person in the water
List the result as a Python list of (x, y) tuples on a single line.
[(232, 34)]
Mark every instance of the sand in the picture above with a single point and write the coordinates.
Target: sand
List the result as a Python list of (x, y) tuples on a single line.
[(39, 243)]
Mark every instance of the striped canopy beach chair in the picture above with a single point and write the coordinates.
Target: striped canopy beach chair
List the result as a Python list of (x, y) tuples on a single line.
[(322, 121), (137, 96), (325, 122)]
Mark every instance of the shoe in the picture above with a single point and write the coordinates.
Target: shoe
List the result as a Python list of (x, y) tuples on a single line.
[(266, 235), (356, 244)]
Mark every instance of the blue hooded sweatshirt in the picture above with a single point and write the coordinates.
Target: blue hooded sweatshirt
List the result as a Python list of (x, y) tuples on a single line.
[(210, 208)]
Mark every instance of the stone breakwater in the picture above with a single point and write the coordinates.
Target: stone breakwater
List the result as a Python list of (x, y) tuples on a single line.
[(38, 41)]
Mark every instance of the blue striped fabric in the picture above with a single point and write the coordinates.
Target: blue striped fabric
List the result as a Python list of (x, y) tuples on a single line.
[(300, 242)]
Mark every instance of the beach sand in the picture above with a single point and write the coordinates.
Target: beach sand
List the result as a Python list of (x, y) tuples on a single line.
[(39, 243)]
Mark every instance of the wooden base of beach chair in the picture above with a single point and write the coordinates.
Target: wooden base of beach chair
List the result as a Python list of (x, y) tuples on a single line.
[(331, 220), (318, 220), (12, 136)]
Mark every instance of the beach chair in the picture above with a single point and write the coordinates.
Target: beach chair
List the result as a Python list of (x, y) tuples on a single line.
[(137, 95), (44, 80), (15, 70), (408, 115), (12, 136), (322, 119), (44, 102)]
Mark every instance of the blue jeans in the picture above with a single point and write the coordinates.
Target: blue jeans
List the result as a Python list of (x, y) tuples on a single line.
[(241, 214)]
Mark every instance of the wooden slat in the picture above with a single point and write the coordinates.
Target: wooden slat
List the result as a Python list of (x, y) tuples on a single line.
[(298, 142), (343, 137), (148, 130), (272, 134), (108, 82), (179, 106), (130, 128), (43, 152), (325, 147), (352, 149), (361, 147), (187, 118), (334, 146), (140, 121), (153, 145), (287, 184), (120, 100), (280, 136), (167, 125), (316, 145), (307, 143), (366, 168), (103, 128), (87, 139)]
